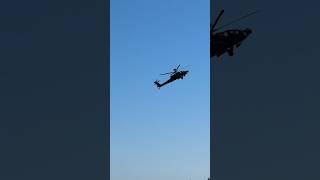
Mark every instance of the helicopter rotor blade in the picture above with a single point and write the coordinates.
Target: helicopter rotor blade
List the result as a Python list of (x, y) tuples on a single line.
[(167, 73), (178, 67), (216, 21), (184, 67), (236, 20)]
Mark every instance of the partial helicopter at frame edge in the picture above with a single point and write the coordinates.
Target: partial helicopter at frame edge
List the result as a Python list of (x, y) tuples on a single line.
[(174, 75), (226, 41), (220, 43)]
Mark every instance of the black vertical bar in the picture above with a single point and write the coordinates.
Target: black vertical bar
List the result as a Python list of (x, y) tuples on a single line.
[(107, 90), (104, 24)]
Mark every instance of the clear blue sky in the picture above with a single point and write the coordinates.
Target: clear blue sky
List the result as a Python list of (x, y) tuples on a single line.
[(159, 134)]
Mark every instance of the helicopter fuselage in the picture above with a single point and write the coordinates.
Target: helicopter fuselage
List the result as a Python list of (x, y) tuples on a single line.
[(178, 75), (225, 41), (173, 77)]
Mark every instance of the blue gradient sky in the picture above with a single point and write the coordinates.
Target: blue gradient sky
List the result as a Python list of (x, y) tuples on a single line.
[(159, 134)]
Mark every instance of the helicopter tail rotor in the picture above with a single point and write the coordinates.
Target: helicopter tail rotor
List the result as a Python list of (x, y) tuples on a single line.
[(157, 83)]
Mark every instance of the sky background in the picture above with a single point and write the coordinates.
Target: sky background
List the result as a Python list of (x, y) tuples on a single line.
[(266, 104), (159, 134)]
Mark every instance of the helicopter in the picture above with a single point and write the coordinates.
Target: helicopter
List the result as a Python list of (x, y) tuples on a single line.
[(225, 41), (174, 75)]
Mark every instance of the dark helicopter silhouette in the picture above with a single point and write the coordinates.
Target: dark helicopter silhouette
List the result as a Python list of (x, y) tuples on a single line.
[(174, 75), (225, 41)]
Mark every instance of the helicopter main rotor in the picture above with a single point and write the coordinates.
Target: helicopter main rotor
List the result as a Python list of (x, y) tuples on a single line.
[(212, 29), (216, 21), (174, 70)]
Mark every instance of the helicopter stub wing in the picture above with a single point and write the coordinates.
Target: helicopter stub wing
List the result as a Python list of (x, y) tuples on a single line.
[(230, 51)]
